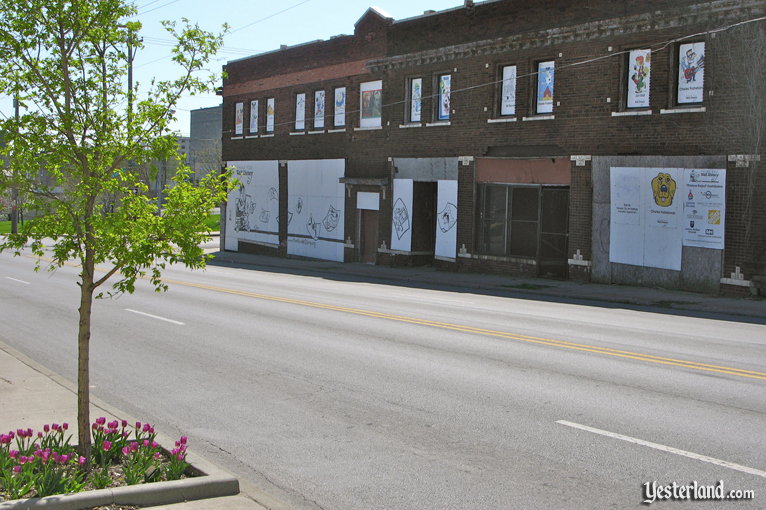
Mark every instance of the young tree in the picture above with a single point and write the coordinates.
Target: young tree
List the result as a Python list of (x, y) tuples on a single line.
[(83, 133)]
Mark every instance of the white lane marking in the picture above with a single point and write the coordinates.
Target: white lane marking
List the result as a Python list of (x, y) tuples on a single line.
[(154, 316), (669, 449), (15, 280)]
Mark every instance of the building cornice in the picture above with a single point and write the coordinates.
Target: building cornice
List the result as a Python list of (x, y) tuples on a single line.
[(697, 15)]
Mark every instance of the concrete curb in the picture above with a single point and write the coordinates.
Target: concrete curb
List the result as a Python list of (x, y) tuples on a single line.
[(151, 494), (213, 481)]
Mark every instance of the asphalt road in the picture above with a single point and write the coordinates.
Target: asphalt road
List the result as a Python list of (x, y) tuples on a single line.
[(356, 395)]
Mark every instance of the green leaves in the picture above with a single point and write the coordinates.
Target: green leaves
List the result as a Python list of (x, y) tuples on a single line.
[(78, 155)]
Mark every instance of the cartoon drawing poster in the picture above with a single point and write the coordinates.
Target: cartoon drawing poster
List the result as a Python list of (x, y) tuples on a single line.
[(270, 114), (372, 103), (508, 91), (319, 109), (254, 116), (639, 72), (545, 74), (691, 72), (445, 89), (239, 113), (340, 107), (300, 112), (416, 91)]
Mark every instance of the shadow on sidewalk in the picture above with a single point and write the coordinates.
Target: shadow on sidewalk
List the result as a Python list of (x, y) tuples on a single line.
[(668, 302)]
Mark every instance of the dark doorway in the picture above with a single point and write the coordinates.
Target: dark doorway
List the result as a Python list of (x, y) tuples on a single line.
[(554, 232), (369, 236), (424, 221)]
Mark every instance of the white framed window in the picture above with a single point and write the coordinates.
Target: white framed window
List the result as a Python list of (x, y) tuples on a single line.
[(339, 113), (691, 73), (270, 115), (300, 111), (544, 90), (239, 114), (371, 104), (416, 99), (319, 109), (254, 116), (638, 76), (508, 90), (444, 84)]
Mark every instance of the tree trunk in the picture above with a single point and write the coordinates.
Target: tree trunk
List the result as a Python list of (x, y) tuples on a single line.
[(83, 363)]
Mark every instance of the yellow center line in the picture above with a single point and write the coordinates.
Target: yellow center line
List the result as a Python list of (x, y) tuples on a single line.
[(487, 332), (607, 351)]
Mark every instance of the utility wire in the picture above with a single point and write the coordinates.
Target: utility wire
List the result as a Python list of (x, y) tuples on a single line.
[(654, 47)]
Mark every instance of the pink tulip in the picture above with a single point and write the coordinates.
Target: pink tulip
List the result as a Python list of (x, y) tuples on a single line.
[(106, 446), (46, 428), (65, 425)]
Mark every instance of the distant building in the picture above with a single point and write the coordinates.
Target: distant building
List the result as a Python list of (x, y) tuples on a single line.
[(204, 147)]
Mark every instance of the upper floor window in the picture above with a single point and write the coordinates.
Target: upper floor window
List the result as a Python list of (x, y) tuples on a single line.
[(371, 93), (300, 111), (508, 90), (319, 108), (239, 115), (254, 116), (691, 73), (445, 89), (415, 94), (270, 115), (638, 76), (339, 117), (545, 82)]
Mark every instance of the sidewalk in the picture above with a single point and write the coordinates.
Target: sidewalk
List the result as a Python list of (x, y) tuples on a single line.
[(622, 296), (33, 396)]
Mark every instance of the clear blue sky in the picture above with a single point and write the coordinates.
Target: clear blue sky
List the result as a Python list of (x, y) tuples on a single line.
[(256, 26)]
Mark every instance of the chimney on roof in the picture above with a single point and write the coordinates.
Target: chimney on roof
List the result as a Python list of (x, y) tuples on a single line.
[(468, 4), (429, 11), (282, 46)]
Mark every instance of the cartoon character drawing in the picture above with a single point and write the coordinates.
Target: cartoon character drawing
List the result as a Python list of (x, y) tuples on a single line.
[(243, 208), (299, 206), (663, 188), (330, 221), (265, 215), (690, 65), (273, 194), (447, 217), (401, 218), (340, 98), (313, 228), (640, 72)]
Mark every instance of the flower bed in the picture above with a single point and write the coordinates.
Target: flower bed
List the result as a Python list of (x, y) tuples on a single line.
[(45, 463)]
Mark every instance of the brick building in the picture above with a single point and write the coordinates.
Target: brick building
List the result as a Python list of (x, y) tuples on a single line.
[(616, 142)]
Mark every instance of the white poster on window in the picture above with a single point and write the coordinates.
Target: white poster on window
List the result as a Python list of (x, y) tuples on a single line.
[(239, 114), (545, 82), (646, 215), (315, 205), (638, 78), (508, 91), (270, 114), (446, 219), (252, 209), (340, 107), (300, 112), (445, 92), (371, 106), (663, 236), (626, 239), (416, 93), (401, 218), (254, 116), (704, 198), (319, 109), (691, 72)]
